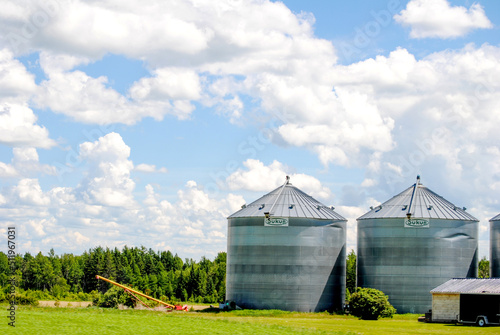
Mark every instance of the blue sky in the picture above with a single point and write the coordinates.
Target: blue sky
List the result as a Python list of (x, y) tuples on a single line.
[(125, 124)]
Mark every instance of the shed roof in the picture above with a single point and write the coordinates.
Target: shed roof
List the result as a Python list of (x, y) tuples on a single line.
[(496, 218), (288, 201), (420, 202), (470, 286)]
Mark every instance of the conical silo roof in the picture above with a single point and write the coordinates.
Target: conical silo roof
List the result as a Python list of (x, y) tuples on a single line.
[(420, 202), (496, 218), (287, 201)]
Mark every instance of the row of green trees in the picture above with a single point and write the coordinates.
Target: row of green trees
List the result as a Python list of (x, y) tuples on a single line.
[(159, 274)]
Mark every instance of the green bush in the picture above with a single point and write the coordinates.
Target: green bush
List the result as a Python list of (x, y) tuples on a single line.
[(23, 300), (60, 289), (115, 296), (110, 299), (83, 296), (347, 294), (21, 297), (370, 304), (40, 295)]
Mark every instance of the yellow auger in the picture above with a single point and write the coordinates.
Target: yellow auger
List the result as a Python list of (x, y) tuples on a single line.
[(131, 291)]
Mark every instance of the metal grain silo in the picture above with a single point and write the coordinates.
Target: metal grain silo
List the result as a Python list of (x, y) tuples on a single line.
[(286, 251), (413, 243), (495, 247)]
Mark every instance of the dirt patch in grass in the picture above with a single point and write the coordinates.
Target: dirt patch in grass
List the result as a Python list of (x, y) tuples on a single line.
[(53, 303), (72, 304), (163, 308)]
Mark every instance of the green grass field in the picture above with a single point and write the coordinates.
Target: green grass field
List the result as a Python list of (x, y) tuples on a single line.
[(99, 321)]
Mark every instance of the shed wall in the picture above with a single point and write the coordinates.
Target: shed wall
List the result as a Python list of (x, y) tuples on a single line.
[(445, 307)]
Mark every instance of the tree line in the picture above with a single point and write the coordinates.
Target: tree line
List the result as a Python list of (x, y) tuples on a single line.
[(161, 275)]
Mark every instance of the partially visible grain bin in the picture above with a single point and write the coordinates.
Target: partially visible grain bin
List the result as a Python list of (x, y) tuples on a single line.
[(286, 251), (413, 243), (495, 247)]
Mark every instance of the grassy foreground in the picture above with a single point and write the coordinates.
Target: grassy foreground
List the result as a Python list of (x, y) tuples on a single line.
[(99, 321)]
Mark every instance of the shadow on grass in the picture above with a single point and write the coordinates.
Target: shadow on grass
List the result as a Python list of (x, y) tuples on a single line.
[(213, 310)]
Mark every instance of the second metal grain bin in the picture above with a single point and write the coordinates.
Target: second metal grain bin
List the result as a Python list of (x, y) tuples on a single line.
[(413, 243), (286, 251), (495, 247)]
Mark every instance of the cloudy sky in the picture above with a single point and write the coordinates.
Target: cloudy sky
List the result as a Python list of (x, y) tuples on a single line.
[(148, 123)]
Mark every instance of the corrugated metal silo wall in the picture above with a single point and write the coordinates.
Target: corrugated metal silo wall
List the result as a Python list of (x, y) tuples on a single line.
[(495, 249), (296, 268), (406, 263)]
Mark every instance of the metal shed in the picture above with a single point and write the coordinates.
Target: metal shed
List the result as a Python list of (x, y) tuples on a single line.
[(469, 300), (495, 246), (414, 242), (286, 251)]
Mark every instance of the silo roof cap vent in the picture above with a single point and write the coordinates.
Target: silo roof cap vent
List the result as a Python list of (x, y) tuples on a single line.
[(287, 201), (418, 201)]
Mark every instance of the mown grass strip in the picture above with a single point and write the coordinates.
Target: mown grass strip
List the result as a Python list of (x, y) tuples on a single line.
[(99, 321)]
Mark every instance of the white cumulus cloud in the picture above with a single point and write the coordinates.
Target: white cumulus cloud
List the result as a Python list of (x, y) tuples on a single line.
[(18, 127), (29, 192), (15, 80), (149, 168), (185, 45), (24, 163), (438, 19), (258, 177), (108, 182), (173, 83)]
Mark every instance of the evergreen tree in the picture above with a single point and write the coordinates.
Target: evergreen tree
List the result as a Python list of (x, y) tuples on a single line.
[(72, 272), (30, 272), (137, 281), (167, 260), (4, 269), (109, 268), (56, 263), (181, 285), (44, 276), (178, 264), (126, 275), (153, 286)]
